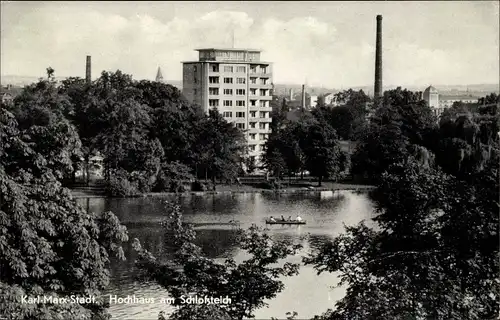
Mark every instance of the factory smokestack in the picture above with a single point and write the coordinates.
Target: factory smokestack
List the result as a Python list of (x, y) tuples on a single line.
[(291, 94), (378, 59), (303, 97), (87, 71)]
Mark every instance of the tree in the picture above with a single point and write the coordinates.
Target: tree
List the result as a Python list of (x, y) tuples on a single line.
[(404, 121), (221, 146), (466, 143), (173, 176), (340, 118), (278, 114), (322, 152), (492, 98), (247, 284), (41, 114), (291, 139), (352, 98), (250, 164), (273, 158), (179, 129), (48, 244), (433, 254), (378, 150), (50, 73), (348, 118)]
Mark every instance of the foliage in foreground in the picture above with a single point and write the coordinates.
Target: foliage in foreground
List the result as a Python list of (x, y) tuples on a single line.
[(434, 252), (435, 255), (248, 283), (48, 244)]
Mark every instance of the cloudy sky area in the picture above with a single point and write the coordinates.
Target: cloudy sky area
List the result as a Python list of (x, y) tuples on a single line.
[(328, 43)]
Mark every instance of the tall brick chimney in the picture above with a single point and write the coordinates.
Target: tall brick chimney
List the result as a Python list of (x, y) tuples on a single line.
[(88, 75), (378, 59), (303, 97)]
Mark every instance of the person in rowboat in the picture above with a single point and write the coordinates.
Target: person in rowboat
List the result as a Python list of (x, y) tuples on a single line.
[(282, 218), (299, 219), (272, 219), (289, 218)]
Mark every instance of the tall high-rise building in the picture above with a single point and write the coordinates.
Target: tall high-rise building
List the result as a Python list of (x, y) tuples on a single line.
[(239, 85)]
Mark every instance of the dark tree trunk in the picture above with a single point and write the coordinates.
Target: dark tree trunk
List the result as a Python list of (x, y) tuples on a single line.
[(320, 179), (73, 174), (87, 169), (105, 171)]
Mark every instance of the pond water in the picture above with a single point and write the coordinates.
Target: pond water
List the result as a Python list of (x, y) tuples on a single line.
[(307, 293)]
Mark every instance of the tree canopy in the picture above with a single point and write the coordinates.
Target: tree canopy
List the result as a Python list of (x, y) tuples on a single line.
[(48, 244), (433, 252)]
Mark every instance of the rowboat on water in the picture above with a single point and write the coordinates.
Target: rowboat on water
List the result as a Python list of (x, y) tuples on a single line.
[(285, 222)]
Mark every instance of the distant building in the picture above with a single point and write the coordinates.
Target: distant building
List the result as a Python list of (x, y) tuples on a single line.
[(8, 93), (447, 101), (7, 97), (331, 100), (313, 101), (239, 85), (431, 98)]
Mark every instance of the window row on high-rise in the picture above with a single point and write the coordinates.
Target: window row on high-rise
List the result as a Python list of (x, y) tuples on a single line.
[(227, 92), (253, 125), (254, 69), (229, 114), (253, 114), (238, 80), (262, 136), (238, 103), (226, 103)]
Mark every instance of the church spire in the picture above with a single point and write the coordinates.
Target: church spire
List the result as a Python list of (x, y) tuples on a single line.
[(159, 76)]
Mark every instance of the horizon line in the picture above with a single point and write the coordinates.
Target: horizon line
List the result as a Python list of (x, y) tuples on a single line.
[(280, 83)]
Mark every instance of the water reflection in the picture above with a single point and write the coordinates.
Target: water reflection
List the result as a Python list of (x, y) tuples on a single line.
[(212, 216)]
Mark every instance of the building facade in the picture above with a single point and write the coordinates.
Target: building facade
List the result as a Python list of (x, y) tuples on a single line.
[(313, 101), (331, 100), (447, 101), (239, 85), (431, 98), (8, 93)]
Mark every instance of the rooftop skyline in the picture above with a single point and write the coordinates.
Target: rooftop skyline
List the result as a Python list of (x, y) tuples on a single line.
[(330, 44)]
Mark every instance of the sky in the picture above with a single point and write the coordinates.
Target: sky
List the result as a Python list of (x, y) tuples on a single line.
[(329, 44)]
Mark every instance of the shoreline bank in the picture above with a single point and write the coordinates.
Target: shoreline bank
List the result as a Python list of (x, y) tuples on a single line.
[(235, 190)]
